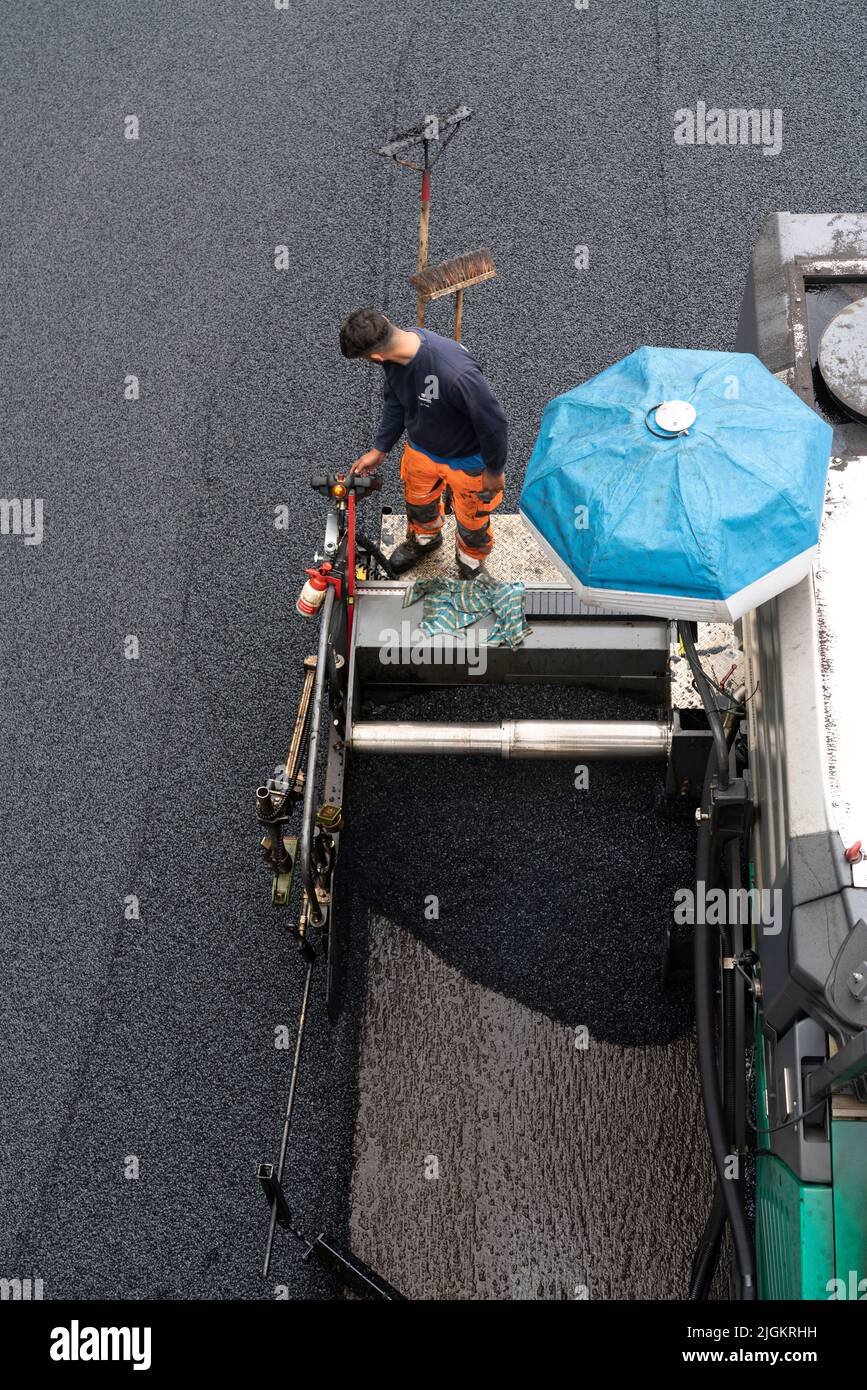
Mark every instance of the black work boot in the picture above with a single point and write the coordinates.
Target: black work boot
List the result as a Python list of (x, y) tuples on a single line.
[(412, 551), (468, 566)]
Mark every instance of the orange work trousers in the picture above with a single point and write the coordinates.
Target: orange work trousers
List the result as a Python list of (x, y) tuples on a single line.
[(424, 479)]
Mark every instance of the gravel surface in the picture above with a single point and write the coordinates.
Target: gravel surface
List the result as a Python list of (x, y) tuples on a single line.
[(152, 1037)]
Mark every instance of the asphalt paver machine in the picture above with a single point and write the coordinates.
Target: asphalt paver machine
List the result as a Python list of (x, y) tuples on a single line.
[(805, 315), (774, 772)]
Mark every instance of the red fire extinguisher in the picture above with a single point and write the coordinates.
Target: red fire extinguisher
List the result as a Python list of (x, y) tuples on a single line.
[(312, 596)]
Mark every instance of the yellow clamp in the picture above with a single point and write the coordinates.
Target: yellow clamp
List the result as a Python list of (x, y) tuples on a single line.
[(329, 817)]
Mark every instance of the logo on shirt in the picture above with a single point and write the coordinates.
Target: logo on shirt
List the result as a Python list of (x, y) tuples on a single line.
[(431, 390)]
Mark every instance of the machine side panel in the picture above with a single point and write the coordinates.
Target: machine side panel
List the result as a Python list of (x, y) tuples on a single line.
[(794, 1234), (849, 1147)]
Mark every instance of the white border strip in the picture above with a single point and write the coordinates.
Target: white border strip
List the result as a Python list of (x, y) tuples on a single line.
[(674, 606)]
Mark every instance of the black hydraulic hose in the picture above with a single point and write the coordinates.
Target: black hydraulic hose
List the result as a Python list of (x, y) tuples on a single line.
[(707, 1254), (710, 706), (729, 1057), (708, 1250), (362, 543), (733, 1005), (706, 951)]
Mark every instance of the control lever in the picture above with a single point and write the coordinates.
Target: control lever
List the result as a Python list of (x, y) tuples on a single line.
[(337, 485)]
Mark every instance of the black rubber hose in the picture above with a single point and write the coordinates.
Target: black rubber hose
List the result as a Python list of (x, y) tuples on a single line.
[(729, 1056), (720, 744), (706, 953), (362, 543), (708, 1250), (732, 988), (707, 1253)]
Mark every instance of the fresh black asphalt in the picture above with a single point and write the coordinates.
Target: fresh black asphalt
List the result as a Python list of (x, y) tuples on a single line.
[(551, 893), (152, 1038)]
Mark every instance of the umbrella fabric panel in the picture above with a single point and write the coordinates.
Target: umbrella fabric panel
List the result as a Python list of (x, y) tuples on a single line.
[(703, 514)]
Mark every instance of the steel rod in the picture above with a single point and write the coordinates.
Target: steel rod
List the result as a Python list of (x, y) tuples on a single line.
[(518, 738), (290, 1105)]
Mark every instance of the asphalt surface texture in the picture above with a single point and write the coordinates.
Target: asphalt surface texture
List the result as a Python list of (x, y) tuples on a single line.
[(150, 650)]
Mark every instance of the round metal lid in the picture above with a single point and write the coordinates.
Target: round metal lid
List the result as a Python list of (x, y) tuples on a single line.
[(843, 358), (674, 416)]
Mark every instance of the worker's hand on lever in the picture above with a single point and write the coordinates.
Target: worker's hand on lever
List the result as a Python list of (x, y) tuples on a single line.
[(368, 462)]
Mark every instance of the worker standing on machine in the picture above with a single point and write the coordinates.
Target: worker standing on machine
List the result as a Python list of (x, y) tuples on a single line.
[(456, 435)]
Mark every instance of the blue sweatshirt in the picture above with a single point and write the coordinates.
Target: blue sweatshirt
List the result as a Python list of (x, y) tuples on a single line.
[(445, 405)]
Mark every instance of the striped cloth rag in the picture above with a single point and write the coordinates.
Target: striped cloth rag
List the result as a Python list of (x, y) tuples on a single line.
[(453, 604)]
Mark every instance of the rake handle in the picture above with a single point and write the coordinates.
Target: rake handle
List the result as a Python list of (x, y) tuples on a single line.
[(423, 230), (459, 313)]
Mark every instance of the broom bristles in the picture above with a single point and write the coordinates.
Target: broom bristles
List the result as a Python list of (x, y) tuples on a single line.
[(448, 276)]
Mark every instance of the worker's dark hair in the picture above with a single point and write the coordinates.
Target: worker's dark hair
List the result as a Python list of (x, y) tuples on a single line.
[(367, 330)]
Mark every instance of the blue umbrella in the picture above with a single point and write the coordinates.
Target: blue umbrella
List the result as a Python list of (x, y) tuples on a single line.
[(677, 483)]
